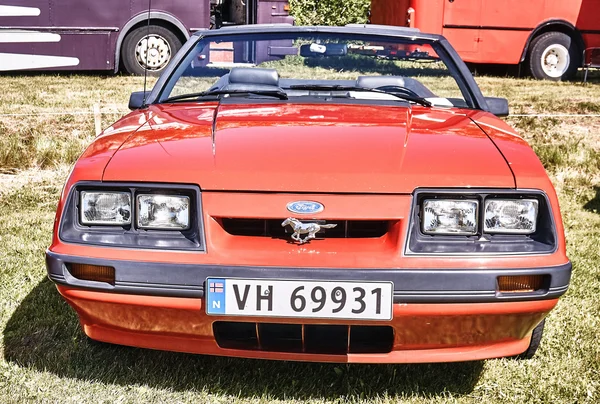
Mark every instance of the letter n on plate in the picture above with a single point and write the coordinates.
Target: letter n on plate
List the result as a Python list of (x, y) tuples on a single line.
[(215, 296)]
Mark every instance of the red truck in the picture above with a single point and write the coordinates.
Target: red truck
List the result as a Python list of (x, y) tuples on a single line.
[(552, 38)]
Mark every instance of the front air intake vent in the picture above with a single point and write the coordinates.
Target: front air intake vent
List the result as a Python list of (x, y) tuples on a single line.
[(272, 228), (304, 338)]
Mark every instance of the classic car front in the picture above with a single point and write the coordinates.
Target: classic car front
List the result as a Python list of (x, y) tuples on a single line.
[(339, 194)]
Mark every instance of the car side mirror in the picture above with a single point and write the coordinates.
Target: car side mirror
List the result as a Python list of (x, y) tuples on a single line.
[(497, 106), (136, 100)]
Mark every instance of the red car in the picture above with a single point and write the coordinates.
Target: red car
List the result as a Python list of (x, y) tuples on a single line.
[(335, 194)]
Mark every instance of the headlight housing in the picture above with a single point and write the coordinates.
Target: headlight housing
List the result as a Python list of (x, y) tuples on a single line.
[(163, 212), (134, 215), (105, 208), (450, 216), (481, 221), (512, 216)]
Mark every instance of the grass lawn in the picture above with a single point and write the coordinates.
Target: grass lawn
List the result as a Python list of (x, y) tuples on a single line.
[(44, 356)]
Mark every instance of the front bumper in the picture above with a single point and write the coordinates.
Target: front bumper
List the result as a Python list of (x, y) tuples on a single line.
[(410, 285), (421, 332), (438, 315)]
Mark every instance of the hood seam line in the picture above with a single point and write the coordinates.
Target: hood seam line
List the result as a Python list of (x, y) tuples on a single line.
[(121, 145), (499, 151)]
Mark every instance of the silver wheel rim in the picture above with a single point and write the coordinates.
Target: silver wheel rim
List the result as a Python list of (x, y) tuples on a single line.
[(555, 60), (155, 49)]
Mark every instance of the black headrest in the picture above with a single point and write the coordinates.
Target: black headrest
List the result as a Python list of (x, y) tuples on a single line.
[(248, 87), (379, 81), (249, 75)]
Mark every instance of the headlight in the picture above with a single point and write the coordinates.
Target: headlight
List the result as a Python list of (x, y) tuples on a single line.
[(163, 212), (109, 208), (130, 215), (447, 216), (517, 216)]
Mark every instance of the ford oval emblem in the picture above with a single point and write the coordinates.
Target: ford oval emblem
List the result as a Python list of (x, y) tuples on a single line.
[(305, 207)]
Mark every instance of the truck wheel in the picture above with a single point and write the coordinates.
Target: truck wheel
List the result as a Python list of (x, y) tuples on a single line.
[(162, 44), (554, 56), (536, 339)]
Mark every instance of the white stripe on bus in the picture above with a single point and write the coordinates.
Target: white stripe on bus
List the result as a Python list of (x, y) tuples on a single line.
[(18, 11), (15, 61), (10, 36)]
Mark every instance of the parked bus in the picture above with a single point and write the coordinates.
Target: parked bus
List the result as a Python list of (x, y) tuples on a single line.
[(549, 36), (114, 34)]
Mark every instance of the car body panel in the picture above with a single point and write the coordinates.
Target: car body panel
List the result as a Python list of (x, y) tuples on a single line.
[(529, 173), (363, 149), (225, 249)]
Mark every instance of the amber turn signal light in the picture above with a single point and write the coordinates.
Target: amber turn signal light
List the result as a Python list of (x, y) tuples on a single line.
[(95, 273), (520, 283)]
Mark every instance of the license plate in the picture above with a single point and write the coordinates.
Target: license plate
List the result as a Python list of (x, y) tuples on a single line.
[(299, 298)]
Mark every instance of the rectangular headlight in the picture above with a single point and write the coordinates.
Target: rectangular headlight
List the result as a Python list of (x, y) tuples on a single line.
[(449, 216), (163, 212), (108, 208), (516, 216)]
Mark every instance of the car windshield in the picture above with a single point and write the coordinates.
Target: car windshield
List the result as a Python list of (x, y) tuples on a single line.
[(322, 66)]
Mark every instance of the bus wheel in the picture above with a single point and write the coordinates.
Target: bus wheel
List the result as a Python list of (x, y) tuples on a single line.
[(154, 44), (554, 56)]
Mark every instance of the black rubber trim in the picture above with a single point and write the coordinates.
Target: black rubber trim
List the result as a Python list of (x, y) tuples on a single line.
[(410, 285)]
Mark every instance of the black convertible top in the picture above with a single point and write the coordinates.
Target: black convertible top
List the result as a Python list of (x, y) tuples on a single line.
[(365, 29)]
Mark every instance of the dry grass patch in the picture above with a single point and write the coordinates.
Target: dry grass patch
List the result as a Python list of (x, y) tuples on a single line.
[(47, 120)]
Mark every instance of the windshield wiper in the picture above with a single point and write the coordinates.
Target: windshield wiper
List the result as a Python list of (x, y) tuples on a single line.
[(336, 87), (269, 93)]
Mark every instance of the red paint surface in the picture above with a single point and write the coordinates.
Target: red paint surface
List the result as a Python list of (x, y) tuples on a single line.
[(422, 332), (311, 148)]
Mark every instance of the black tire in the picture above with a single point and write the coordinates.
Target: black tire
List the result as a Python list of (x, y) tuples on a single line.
[(541, 47), (129, 53), (534, 344)]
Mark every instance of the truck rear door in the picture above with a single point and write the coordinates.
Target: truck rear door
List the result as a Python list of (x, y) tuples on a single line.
[(506, 26), (462, 22)]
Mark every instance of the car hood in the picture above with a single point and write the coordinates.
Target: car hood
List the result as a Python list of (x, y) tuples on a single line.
[(285, 147)]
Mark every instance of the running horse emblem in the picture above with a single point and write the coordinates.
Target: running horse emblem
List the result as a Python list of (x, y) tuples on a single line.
[(311, 229)]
